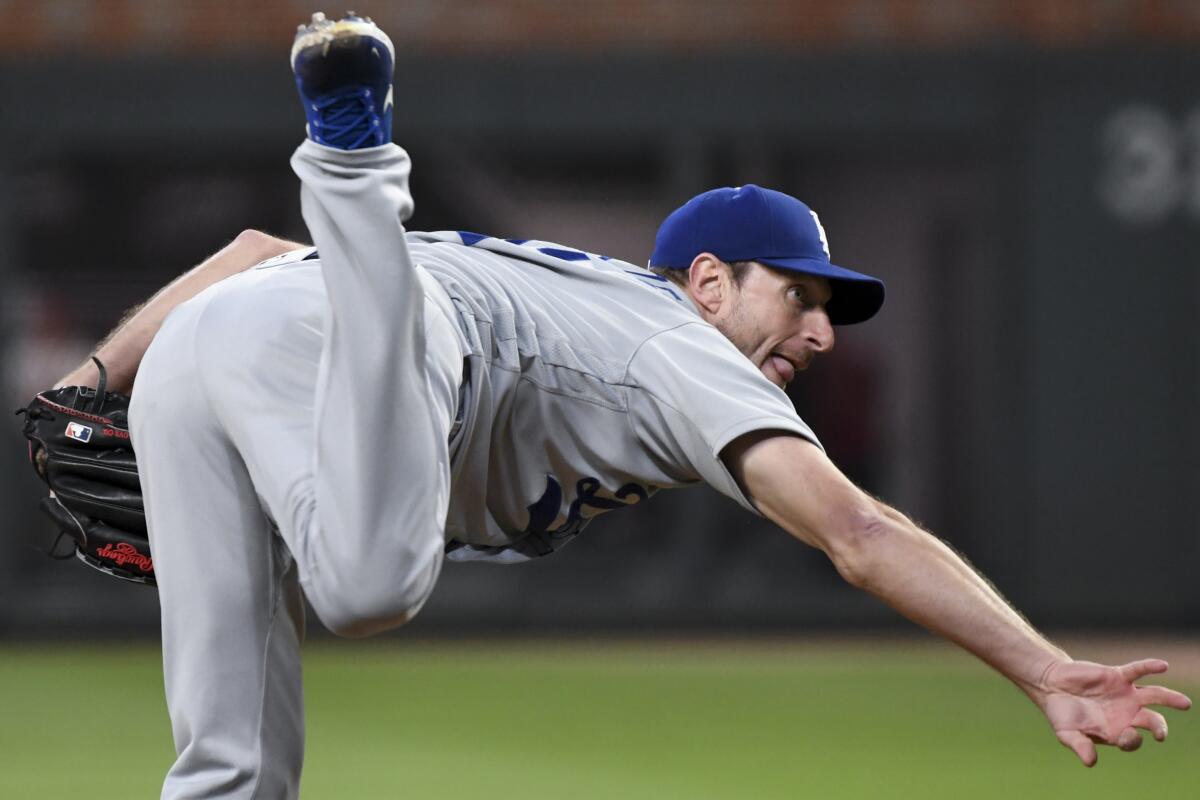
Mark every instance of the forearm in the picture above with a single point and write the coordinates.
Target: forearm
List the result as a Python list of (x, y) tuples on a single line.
[(122, 350), (879, 550), (882, 552), (923, 579)]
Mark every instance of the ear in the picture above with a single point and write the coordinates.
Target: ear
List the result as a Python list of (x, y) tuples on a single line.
[(710, 282)]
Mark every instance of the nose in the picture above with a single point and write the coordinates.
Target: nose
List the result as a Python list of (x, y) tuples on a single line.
[(818, 330)]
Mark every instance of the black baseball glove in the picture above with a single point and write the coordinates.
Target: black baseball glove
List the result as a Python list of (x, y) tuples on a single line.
[(79, 445)]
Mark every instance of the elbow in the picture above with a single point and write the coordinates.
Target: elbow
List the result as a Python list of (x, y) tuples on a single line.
[(260, 246), (855, 548), (252, 239)]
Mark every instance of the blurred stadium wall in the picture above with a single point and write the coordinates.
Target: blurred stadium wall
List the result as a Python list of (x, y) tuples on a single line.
[(1026, 176)]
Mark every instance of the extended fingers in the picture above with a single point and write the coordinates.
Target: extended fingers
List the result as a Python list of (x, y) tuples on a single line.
[(1138, 669), (1151, 721), (1080, 744), (1162, 696)]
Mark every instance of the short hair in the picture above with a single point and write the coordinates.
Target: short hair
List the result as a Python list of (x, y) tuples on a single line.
[(679, 277)]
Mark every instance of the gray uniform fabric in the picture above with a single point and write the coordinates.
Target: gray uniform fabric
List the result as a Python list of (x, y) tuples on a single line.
[(335, 425), (593, 383)]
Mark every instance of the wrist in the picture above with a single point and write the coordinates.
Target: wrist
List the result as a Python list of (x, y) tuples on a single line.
[(85, 374), (1038, 688)]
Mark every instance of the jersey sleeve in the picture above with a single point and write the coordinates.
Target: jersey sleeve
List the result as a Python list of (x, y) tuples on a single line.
[(694, 394)]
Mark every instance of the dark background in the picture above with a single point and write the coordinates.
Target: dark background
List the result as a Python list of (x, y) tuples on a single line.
[(1026, 181)]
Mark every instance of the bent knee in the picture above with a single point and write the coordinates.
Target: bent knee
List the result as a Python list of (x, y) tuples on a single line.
[(357, 625), (355, 609)]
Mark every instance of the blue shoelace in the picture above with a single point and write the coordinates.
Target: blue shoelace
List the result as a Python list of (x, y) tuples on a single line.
[(347, 117)]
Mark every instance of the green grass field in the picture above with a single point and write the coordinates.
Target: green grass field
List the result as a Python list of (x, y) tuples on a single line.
[(589, 720)]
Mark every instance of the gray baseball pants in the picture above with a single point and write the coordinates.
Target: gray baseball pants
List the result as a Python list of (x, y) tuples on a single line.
[(292, 436)]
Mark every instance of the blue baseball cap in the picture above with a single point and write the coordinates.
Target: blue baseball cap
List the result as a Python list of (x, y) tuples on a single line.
[(750, 223)]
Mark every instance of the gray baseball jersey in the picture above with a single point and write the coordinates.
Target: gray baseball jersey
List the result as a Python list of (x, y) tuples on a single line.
[(592, 384), (401, 396)]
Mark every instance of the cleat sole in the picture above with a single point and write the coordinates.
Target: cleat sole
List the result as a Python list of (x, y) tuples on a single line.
[(325, 35)]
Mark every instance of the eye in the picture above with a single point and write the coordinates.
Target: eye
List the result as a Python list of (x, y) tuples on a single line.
[(798, 295)]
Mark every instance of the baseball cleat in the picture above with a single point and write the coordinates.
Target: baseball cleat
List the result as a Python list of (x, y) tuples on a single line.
[(343, 71)]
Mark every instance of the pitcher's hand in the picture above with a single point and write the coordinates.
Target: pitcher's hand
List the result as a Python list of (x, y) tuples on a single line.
[(1088, 704)]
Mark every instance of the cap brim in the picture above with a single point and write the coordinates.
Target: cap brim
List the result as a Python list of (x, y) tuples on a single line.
[(856, 297)]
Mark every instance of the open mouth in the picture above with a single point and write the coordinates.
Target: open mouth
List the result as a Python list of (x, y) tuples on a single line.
[(784, 367)]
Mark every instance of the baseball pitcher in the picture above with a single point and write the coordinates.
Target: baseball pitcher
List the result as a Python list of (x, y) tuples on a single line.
[(333, 421)]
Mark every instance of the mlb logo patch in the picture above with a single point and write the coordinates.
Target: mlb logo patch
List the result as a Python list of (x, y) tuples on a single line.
[(80, 433)]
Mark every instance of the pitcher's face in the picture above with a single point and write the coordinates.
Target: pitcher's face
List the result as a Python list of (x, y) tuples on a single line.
[(777, 319)]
